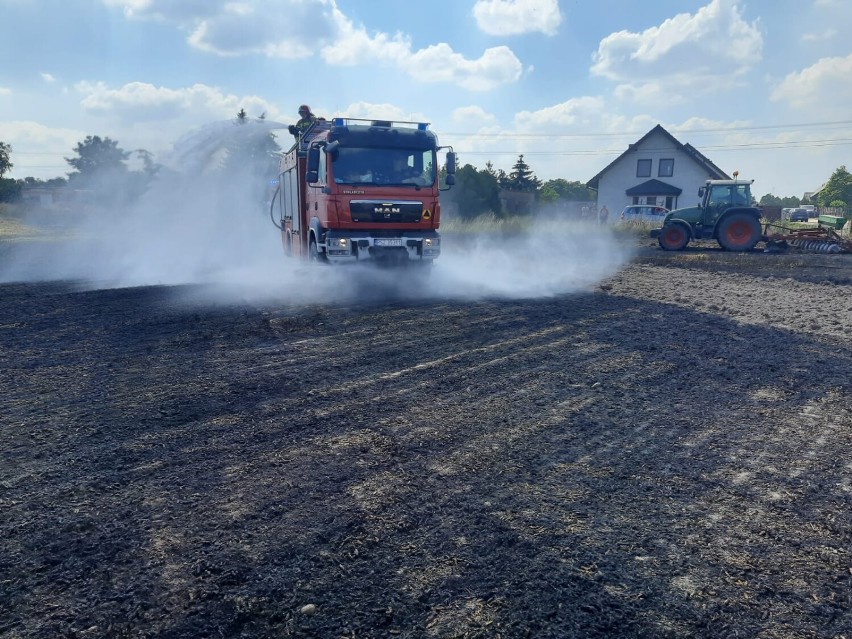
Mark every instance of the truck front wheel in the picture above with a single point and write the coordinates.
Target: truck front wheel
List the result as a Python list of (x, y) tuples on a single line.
[(673, 237), (313, 252), (739, 232)]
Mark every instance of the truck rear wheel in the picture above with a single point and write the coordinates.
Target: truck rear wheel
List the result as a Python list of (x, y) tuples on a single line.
[(673, 237), (739, 232)]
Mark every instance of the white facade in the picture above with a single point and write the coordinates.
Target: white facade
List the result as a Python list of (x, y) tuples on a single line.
[(662, 154)]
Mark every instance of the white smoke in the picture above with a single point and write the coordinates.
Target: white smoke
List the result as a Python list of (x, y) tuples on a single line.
[(193, 223), (197, 225)]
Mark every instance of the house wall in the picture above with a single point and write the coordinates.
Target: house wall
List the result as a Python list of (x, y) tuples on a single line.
[(688, 174)]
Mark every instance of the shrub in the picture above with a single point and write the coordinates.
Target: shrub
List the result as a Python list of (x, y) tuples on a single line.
[(10, 190)]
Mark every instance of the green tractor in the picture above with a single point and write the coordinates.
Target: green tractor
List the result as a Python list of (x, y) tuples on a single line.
[(725, 214)]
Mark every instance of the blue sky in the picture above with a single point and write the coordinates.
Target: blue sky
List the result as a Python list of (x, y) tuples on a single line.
[(759, 86)]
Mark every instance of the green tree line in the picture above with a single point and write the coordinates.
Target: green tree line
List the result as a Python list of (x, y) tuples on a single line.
[(477, 191), (100, 165)]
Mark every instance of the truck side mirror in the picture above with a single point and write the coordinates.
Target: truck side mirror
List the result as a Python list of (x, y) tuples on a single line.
[(312, 169), (701, 192), (450, 180), (451, 163)]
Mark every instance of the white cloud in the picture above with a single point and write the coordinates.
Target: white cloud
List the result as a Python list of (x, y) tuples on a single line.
[(648, 94), (472, 115), (139, 102), (47, 77), (686, 50), (352, 45), (575, 112), (828, 34), (5, 91), (381, 111), (515, 17), (439, 63), (185, 11), (435, 63), (294, 29), (822, 88)]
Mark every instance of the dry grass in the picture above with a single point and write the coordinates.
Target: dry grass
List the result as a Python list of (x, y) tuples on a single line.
[(12, 230)]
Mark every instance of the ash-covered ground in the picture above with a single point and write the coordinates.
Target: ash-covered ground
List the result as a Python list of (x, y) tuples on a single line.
[(661, 453)]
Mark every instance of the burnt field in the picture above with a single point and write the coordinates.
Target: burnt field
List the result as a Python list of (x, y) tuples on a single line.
[(663, 454)]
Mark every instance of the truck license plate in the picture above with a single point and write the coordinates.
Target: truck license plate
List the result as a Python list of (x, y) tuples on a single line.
[(388, 241)]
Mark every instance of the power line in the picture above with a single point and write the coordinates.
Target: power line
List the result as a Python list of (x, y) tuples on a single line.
[(756, 146), (680, 130)]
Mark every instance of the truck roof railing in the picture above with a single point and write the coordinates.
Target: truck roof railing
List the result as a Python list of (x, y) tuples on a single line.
[(310, 133), (390, 124), (325, 125)]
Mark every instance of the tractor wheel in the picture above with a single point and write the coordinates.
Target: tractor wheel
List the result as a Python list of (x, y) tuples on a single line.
[(739, 232), (673, 237)]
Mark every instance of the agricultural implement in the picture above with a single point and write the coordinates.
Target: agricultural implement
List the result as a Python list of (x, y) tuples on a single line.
[(824, 238)]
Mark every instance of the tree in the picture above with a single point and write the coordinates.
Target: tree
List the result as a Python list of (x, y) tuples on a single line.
[(101, 169), (9, 189), (838, 188), (97, 159), (548, 194), (521, 178), (251, 154), (252, 149), (791, 201), (149, 167), (567, 191), (475, 192), (5, 159)]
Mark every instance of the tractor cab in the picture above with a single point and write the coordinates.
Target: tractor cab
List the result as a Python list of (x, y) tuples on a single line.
[(720, 195)]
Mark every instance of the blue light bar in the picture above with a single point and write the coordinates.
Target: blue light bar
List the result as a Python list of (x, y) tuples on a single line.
[(422, 126), (338, 121)]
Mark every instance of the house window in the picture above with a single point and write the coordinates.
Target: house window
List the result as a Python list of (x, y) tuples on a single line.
[(670, 203), (643, 168), (651, 199), (666, 168)]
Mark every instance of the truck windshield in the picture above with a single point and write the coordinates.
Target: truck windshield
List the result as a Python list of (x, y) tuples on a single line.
[(383, 166)]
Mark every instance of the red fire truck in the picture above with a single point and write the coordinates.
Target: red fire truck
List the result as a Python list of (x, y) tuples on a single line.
[(355, 190)]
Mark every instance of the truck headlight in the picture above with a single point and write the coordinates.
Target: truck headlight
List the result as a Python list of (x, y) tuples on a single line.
[(338, 246), (431, 246)]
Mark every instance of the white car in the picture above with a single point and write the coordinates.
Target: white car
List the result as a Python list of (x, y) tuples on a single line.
[(644, 213)]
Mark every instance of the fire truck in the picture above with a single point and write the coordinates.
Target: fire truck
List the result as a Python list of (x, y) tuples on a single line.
[(352, 190)]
